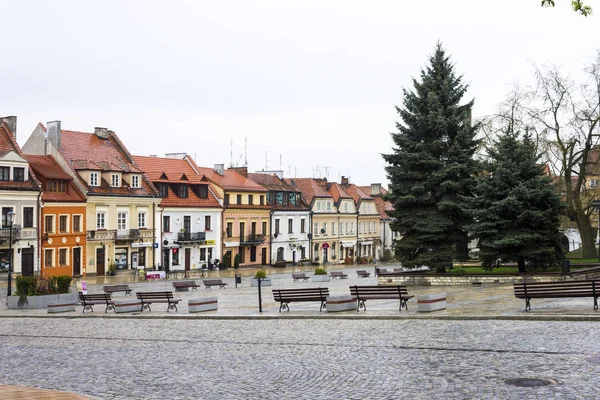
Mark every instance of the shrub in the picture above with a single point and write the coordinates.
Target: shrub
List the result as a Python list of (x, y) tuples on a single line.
[(26, 286), (260, 274), (387, 255), (320, 271), (63, 283), (348, 261), (236, 261)]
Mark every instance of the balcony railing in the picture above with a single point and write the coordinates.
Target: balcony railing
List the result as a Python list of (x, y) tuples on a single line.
[(252, 239), (187, 237), (5, 232), (120, 234)]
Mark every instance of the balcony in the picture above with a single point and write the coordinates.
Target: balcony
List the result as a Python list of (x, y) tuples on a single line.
[(120, 234), (188, 237), (252, 239), (5, 233)]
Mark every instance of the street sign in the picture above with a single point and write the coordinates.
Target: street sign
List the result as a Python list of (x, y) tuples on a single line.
[(596, 203)]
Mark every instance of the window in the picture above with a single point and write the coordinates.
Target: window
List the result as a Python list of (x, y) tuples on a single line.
[(277, 227), (285, 199), (207, 223), (279, 198), (202, 254), (203, 191), (115, 180), (333, 228), (262, 200), (328, 206), (163, 190), (239, 199), (49, 224), (229, 230), (94, 179), (76, 223), (302, 225), (253, 228), (264, 228), (293, 199), (324, 228), (63, 223), (347, 228), (135, 181), (63, 257), (141, 220), (101, 220), (226, 200), (360, 227), (175, 256), (250, 199), (48, 258), (352, 230), (57, 186), (316, 228), (27, 217), (183, 191), (18, 174), (242, 230), (593, 183), (290, 226), (5, 211), (122, 220), (346, 207), (4, 173), (166, 226), (318, 206)]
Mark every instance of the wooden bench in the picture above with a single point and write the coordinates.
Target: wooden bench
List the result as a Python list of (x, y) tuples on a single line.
[(382, 271), (209, 283), (89, 300), (380, 292), (302, 276), (148, 298), (180, 285), (286, 296), (555, 290), (338, 275), (363, 274), (117, 288)]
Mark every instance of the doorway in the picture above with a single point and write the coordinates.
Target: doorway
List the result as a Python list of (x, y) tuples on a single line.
[(77, 261), (187, 258), (100, 261), (27, 261), (263, 256)]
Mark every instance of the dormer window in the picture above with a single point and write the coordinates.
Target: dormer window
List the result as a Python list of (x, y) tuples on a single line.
[(202, 191), (94, 179), (19, 174), (163, 190), (135, 181), (4, 173), (182, 191), (115, 180), (57, 186)]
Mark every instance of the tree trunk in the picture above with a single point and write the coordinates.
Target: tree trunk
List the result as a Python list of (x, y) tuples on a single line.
[(522, 267), (588, 243)]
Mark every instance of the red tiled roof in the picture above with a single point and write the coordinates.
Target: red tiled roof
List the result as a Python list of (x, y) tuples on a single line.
[(232, 180), (8, 143), (356, 193), (367, 190), (337, 192), (47, 168), (272, 182), (383, 206), (309, 189), (172, 200)]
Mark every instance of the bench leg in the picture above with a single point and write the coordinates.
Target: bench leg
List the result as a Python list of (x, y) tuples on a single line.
[(361, 304), (403, 304), (527, 304), (109, 307), (172, 306), (87, 307), (323, 305), (284, 306), (595, 303), (146, 306)]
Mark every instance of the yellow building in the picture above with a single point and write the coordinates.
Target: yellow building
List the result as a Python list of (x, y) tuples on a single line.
[(368, 235)]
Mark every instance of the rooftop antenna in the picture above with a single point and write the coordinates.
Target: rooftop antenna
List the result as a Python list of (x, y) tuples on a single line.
[(245, 151), (327, 171), (266, 162), (295, 172), (289, 171), (280, 162), (231, 154)]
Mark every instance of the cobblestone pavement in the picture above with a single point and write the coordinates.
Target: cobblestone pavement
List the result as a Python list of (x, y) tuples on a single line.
[(111, 358)]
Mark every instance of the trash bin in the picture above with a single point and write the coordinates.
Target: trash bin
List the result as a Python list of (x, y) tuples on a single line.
[(238, 279), (566, 266), (376, 271)]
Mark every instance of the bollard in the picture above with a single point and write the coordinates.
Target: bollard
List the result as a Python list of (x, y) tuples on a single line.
[(238, 279), (259, 295)]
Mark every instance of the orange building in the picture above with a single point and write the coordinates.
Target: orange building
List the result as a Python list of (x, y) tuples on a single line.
[(63, 219)]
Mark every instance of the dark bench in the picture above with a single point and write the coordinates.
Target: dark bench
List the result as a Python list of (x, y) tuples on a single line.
[(302, 276), (209, 283), (338, 275), (380, 292), (117, 288), (382, 270), (286, 296), (148, 298), (555, 290), (363, 274), (180, 285), (89, 300)]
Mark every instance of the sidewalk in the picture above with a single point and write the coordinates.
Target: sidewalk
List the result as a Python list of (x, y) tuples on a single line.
[(463, 302)]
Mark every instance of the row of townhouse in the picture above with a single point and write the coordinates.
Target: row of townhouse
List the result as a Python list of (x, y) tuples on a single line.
[(83, 205)]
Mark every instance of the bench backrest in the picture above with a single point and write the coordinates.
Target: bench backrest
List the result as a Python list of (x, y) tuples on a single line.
[(213, 281), (115, 288), (393, 291), (300, 275), (154, 295), (589, 287), (317, 293), (383, 270), (94, 297), (180, 284), (337, 273)]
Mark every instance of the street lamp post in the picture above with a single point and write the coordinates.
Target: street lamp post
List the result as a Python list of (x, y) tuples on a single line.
[(11, 219)]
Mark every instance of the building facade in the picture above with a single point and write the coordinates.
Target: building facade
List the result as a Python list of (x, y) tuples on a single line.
[(367, 227)]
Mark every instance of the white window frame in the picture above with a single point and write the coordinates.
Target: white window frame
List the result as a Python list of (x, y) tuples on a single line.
[(53, 263), (333, 228), (135, 181), (94, 179), (142, 219), (116, 177), (325, 227), (316, 228), (98, 214), (66, 259), (80, 222), (328, 206), (119, 221)]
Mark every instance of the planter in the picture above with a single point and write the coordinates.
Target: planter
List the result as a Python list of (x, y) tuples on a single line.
[(37, 302), (431, 302), (320, 278), (341, 303), (264, 282), (128, 306), (202, 304)]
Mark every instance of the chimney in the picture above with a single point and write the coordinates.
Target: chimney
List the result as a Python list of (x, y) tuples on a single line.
[(177, 156), (11, 121), (344, 181), (375, 189), (241, 170), (322, 182), (101, 133), (220, 169), (53, 134)]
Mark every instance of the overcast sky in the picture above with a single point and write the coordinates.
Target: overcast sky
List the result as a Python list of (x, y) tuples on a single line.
[(308, 83)]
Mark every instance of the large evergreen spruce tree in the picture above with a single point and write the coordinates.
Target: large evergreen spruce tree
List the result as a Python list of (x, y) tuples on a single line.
[(517, 207), (432, 169)]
